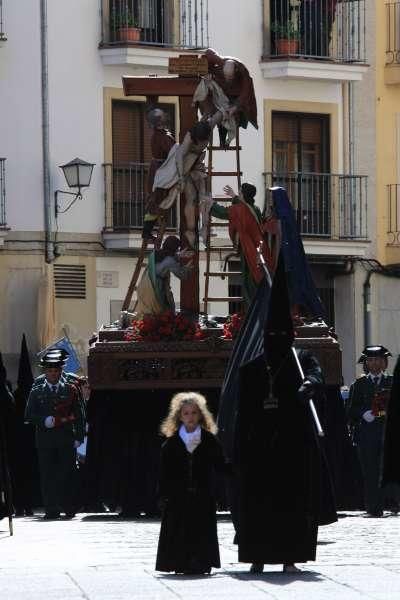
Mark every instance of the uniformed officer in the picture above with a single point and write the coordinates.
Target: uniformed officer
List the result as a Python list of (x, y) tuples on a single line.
[(367, 403), (76, 380), (55, 410)]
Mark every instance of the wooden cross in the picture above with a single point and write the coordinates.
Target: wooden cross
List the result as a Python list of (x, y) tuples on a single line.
[(189, 68)]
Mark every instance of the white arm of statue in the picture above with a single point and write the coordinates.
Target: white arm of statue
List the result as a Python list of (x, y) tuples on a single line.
[(180, 155)]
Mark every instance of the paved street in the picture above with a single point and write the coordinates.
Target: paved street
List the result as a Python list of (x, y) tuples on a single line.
[(99, 556)]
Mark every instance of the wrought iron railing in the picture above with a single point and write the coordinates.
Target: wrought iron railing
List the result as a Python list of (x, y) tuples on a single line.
[(3, 36), (126, 194), (322, 29), (3, 221), (326, 205), (393, 33), (168, 23), (393, 230)]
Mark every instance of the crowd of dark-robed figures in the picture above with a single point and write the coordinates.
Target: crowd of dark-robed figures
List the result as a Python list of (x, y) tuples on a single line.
[(279, 475), (267, 463)]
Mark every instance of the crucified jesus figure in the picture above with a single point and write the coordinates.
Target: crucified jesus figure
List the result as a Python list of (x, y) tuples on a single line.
[(183, 171)]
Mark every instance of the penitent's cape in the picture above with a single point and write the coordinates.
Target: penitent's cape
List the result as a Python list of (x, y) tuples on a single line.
[(266, 334), (302, 290), (248, 349)]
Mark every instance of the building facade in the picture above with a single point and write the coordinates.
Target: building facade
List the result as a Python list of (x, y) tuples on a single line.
[(313, 64)]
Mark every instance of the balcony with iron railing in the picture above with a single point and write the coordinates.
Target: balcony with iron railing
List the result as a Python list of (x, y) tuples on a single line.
[(125, 195), (3, 37), (152, 30), (315, 39), (327, 206), (392, 61)]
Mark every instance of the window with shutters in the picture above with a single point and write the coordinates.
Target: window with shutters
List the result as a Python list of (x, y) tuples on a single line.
[(70, 281), (300, 163), (131, 159), (300, 142)]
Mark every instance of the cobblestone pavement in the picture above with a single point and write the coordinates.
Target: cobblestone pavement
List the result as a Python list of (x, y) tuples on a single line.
[(100, 556)]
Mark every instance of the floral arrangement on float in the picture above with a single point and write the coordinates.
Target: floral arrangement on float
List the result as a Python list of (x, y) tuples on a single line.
[(167, 326), (232, 326)]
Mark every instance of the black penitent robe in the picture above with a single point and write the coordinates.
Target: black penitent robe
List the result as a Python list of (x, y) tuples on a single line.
[(282, 483), (6, 419), (280, 478), (188, 536)]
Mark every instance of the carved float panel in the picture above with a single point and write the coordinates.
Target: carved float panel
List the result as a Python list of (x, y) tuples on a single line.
[(116, 364), (177, 365)]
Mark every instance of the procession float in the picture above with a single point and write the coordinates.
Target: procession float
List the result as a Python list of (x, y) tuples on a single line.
[(154, 350)]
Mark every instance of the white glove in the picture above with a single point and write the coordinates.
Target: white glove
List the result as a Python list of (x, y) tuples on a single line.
[(49, 422), (77, 443), (368, 416)]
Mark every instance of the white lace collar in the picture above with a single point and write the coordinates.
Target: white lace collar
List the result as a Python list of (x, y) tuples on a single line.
[(191, 439)]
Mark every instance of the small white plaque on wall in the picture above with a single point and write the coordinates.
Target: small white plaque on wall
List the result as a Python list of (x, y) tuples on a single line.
[(107, 279)]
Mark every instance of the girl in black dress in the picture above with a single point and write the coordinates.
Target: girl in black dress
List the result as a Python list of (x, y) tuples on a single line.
[(190, 458)]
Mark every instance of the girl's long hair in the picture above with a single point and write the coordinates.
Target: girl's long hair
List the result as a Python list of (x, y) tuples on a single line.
[(172, 422)]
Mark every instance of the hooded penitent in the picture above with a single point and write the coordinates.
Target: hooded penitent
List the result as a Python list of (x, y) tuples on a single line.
[(268, 434)]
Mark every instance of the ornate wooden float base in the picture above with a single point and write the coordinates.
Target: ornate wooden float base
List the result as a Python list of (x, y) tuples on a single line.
[(117, 364)]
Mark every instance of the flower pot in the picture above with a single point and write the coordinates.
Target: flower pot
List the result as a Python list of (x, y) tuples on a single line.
[(287, 47), (128, 34)]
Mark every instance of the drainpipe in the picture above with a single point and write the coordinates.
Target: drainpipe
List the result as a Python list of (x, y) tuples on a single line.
[(49, 249), (351, 127), (367, 308), (346, 125)]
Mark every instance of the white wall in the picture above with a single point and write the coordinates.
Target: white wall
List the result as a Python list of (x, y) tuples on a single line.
[(386, 314), (20, 115), (76, 80)]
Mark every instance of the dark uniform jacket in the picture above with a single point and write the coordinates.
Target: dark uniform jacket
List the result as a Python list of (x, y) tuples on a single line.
[(71, 378), (64, 405), (362, 394)]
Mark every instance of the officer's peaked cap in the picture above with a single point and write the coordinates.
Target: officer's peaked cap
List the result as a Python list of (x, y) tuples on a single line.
[(59, 351), (55, 357), (373, 352)]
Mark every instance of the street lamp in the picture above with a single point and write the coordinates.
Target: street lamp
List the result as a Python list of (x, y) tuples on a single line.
[(78, 174)]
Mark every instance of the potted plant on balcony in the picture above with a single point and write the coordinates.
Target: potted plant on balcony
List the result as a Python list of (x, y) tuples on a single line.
[(124, 26), (286, 38)]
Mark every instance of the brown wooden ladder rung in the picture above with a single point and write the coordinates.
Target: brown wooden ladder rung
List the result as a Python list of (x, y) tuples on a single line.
[(223, 274), (229, 148), (225, 173), (219, 248), (224, 299)]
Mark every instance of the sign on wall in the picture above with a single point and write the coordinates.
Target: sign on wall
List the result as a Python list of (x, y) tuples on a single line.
[(108, 279)]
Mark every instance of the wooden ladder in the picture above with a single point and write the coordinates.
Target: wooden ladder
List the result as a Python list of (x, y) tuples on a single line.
[(209, 247), (139, 264)]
